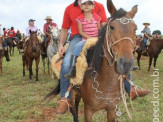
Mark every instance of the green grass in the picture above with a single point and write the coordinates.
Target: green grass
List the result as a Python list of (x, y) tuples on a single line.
[(21, 101)]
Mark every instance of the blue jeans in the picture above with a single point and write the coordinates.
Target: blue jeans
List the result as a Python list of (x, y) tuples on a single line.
[(78, 48), (127, 84), (144, 43), (44, 40), (65, 82), (4, 44)]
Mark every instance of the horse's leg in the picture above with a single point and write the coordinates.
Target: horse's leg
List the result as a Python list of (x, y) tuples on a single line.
[(23, 59), (43, 61), (88, 113), (13, 49), (155, 60), (30, 68), (48, 67), (138, 59), (77, 101), (10, 49), (150, 62), (111, 116), (37, 63)]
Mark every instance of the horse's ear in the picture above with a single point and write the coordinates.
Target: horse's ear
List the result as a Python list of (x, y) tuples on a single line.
[(111, 7), (30, 31), (133, 11)]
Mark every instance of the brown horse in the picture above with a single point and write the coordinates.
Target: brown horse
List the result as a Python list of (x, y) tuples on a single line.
[(111, 57), (33, 52), (1, 55), (153, 51)]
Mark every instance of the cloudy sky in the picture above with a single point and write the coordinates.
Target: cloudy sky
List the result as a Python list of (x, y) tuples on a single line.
[(17, 12)]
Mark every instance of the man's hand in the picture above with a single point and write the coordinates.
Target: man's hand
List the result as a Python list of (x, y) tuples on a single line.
[(61, 51)]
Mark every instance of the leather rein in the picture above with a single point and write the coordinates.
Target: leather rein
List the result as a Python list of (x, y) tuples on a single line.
[(109, 46)]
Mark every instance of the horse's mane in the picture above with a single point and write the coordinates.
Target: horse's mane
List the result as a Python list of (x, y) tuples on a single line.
[(94, 55)]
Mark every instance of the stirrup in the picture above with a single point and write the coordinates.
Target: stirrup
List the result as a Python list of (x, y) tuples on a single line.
[(135, 87), (65, 102)]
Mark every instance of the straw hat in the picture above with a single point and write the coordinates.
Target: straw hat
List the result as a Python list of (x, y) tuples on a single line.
[(48, 17), (146, 23)]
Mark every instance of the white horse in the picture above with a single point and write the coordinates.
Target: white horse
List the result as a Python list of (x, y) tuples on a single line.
[(52, 48)]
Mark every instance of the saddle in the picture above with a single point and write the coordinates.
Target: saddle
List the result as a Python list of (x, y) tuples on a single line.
[(81, 64)]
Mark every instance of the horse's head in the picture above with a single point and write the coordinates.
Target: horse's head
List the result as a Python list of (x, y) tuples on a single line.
[(55, 32), (33, 40), (120, 37)]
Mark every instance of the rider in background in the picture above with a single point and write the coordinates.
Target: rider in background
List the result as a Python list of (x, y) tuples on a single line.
[(4, 32), (46, 29), (147, 34), (4, 44), (32, 28), (11, 35)]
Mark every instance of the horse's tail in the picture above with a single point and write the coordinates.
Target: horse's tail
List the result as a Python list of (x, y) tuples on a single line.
[(55, 91)]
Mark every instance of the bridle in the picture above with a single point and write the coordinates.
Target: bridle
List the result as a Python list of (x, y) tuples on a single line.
[(109, 46)]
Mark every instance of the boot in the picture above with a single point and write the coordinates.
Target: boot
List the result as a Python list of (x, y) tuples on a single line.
[(63, 106), (134, 93), (6, 55), (72, 71), (135, 68)]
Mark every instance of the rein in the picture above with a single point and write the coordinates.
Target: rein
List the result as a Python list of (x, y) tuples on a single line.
[(108, 38)]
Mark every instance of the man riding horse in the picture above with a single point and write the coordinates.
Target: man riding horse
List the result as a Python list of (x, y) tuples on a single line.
[(31, 28), (49, 23), (4, 44), (147, 35), (69, 21)]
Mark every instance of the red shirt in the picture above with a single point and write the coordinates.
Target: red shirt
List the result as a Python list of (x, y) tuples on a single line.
[(72, 12), (46, 26), (11, 33), (18, 32), (5, 33)]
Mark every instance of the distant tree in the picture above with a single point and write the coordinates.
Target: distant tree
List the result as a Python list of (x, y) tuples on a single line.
[(156, 31)]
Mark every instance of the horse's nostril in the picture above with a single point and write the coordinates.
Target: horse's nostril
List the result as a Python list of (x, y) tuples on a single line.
[(124, 66)]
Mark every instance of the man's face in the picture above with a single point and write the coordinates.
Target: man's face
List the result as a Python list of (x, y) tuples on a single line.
[(31, 23), (49, 21)]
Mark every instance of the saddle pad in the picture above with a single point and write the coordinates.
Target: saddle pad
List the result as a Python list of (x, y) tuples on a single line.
[(81, 64)]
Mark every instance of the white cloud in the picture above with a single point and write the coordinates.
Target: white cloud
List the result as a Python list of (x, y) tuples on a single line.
[(17, 12)]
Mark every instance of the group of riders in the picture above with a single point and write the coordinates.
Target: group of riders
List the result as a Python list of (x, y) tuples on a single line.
[(85, 18)]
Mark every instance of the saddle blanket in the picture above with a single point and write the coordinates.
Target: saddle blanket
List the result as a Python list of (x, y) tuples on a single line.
[(81, 64)]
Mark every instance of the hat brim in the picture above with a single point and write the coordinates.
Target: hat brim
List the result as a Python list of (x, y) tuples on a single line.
[(48, 19), (146, 23)]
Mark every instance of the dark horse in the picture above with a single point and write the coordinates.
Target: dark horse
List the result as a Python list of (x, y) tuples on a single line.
[(32, 52), (153, 51), (110, 58), (1, 55), (11, 42)]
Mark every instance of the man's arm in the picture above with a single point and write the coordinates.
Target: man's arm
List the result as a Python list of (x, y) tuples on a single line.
[(63, 37)]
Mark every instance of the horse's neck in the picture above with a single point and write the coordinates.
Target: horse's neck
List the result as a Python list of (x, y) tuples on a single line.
[(108, 75), (160, 44)]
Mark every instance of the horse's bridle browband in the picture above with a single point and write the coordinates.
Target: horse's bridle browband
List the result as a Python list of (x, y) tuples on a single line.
[(108, 37)]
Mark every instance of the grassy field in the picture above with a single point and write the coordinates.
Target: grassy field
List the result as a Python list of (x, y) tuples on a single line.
[(21, 101)]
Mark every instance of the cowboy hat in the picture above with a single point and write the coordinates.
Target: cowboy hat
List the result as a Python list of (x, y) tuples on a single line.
[(146, 23), (48, 17)]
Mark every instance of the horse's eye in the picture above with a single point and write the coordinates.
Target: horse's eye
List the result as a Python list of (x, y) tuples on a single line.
[(111, 27)]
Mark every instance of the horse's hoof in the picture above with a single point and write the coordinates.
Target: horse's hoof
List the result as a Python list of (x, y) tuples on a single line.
[(37, 81)]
